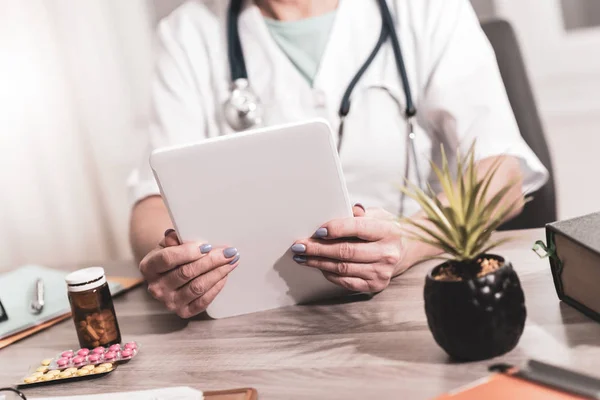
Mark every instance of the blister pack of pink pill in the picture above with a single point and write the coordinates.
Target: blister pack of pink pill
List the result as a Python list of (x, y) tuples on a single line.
[(98, 355), (71, 366)]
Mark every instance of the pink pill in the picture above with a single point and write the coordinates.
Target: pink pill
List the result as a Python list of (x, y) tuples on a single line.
[(67, 354), (94, 357), (78, 359), (83, 352), (110, 355), (131, 345), (115, 347), (99, 350), (126, 353), (61, 362)]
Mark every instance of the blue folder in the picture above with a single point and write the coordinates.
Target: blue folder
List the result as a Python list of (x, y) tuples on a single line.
[(17, 289)]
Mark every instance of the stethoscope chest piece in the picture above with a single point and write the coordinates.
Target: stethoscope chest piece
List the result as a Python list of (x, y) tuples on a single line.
[(242, 109)]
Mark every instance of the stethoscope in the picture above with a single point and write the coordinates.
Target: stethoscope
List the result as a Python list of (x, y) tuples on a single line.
[(243, 108)]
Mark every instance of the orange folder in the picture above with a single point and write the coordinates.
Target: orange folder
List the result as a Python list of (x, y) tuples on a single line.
[(502, 387)]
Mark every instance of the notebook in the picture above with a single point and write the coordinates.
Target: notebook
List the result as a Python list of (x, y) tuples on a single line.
[(17, 290), (534, 381), (573, 248), (503, 387)]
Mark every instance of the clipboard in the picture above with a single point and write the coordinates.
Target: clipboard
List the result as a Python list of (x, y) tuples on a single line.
[(125, 284)]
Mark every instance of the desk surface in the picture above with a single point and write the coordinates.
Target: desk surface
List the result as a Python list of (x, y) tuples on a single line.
[(380, 348)]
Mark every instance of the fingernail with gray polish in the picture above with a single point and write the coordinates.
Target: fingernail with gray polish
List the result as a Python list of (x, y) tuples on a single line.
[(205, 248), (321, 232), (300, 259), (230, 252), (298, 248), (168, 231), (235, 259)]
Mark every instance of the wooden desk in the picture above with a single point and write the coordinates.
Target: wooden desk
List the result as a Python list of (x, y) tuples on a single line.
[(380, 348)]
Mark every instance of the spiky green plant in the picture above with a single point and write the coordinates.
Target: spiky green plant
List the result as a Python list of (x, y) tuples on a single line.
[(463, 228)]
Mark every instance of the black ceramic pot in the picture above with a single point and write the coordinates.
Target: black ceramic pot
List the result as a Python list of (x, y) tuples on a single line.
[(476, 319)]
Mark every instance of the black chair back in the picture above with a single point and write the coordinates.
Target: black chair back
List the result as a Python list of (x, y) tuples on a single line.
[(542, 209)]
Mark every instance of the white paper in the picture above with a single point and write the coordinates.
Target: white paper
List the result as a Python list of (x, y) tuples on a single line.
[(173, 393)]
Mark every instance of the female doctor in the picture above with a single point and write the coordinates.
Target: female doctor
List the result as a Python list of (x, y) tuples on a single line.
[(394, 78)]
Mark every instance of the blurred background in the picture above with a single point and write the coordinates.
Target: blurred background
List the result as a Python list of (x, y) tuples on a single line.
[(74, 80)]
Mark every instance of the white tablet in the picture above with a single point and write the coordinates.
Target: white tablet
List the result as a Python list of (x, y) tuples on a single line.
[(258, 191)]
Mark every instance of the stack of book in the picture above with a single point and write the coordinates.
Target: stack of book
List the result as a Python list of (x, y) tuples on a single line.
[(573, 247)]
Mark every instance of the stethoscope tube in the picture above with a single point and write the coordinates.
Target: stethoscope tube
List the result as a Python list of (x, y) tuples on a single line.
[(410, 111), (237, 64), (345, 104), (242, 109), (387, 30)]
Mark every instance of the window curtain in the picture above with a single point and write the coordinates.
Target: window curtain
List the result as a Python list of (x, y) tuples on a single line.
[(73, 95)]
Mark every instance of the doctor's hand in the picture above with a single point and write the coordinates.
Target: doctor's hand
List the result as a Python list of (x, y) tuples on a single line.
[(187, 277), (362, 253)]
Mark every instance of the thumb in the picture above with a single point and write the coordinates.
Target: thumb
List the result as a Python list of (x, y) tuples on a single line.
[(170, 238), (358, 210)]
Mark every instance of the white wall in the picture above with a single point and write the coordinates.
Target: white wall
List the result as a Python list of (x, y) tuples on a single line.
[(580, 13), (564, 67), (73, 79)]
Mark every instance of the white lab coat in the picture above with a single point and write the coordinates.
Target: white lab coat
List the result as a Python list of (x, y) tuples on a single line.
[(452, 70)]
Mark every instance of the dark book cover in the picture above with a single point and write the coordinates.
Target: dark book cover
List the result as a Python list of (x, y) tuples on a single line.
[(573, 247)]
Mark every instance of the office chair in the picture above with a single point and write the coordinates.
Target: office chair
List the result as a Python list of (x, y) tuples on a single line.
[(542, 209)]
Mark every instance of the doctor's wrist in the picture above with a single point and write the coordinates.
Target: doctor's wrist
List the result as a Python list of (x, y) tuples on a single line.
[(414, 252)]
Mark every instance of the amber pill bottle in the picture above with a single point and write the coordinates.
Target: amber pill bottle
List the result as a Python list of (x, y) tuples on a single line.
[(92, 308)]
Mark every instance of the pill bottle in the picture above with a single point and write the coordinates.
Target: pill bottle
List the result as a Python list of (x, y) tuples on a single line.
[(92, 308)]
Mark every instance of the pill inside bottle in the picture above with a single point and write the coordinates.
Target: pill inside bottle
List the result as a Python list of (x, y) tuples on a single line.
[(92, 308)]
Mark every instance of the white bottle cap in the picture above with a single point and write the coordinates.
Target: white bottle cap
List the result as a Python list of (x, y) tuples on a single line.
[(85, 279)]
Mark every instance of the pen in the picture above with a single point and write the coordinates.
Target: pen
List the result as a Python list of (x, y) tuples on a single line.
[(555, 377)]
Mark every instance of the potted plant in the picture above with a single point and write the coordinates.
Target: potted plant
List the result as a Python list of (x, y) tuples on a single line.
[(473, 300)]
